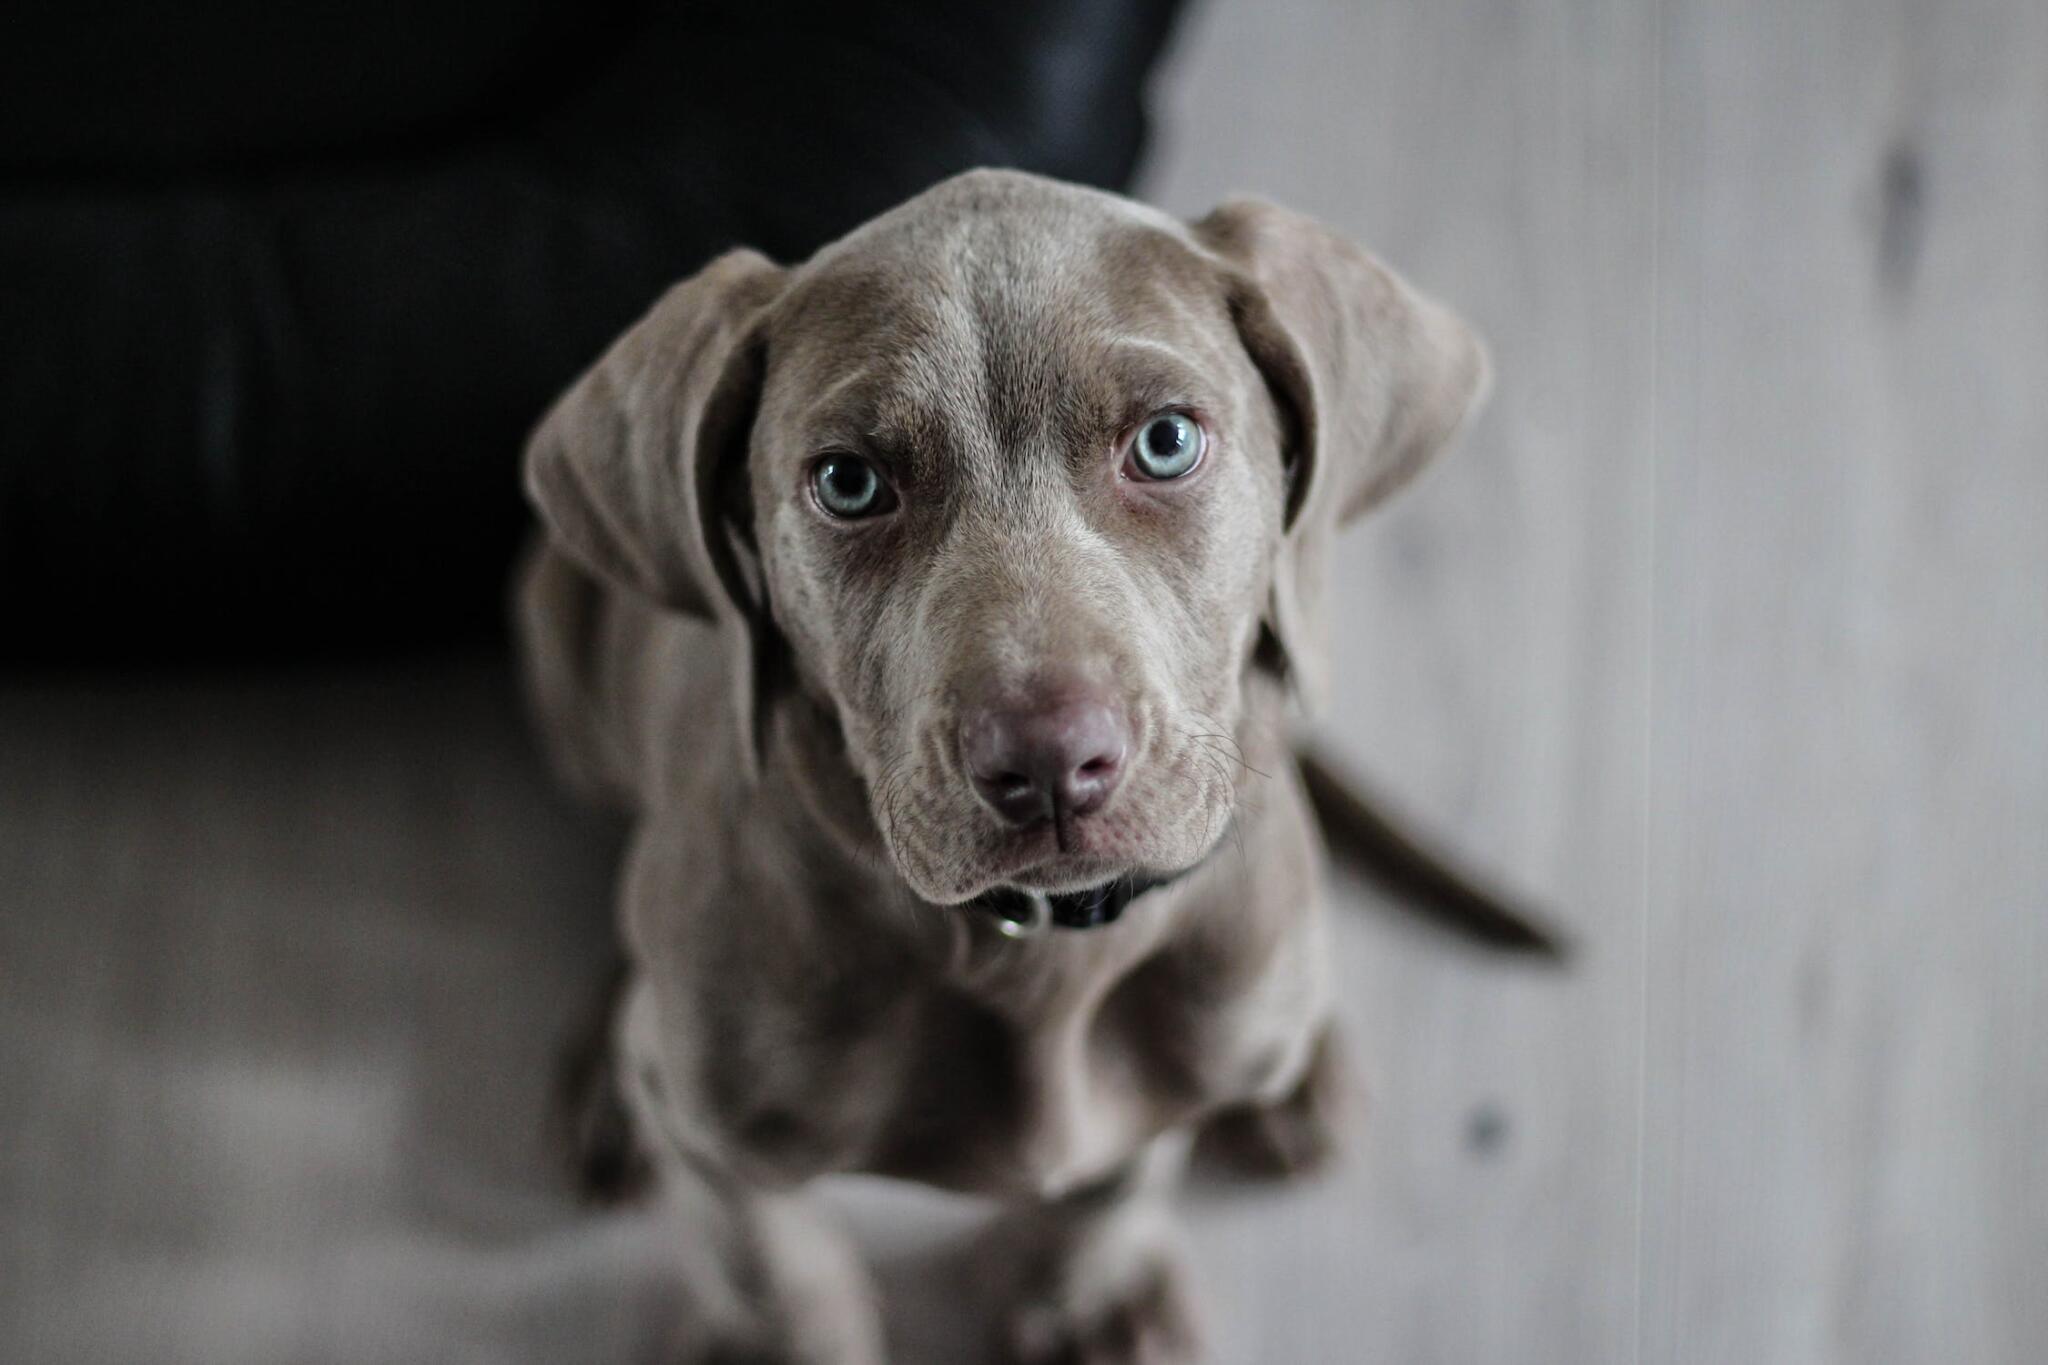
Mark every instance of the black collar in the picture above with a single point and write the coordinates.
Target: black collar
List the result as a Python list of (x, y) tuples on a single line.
[(1020, 912)]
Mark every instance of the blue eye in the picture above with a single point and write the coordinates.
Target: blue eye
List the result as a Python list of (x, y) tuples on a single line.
[(1167, 446), (849, 487)]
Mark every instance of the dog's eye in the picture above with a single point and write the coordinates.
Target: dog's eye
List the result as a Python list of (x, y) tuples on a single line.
[(1168, 446), (849, 486)]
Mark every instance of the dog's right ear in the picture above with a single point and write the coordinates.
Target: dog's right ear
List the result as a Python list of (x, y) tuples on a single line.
[(638, 471), (630, 468)]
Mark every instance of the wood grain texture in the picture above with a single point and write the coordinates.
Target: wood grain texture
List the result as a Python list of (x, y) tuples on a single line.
[(1850, 828), (1725, 635), (1729, 629)]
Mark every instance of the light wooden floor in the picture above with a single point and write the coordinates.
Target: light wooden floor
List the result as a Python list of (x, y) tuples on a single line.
[(1726, 634), (1729, 632)]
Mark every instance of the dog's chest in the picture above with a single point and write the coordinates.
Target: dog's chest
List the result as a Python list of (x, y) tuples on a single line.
[(1032, 1068)]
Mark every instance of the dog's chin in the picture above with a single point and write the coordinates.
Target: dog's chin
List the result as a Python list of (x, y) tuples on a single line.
[(1033, 860), (1057, 876)]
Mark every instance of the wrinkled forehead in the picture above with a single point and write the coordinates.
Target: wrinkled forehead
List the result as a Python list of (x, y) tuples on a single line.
[(997, 326)]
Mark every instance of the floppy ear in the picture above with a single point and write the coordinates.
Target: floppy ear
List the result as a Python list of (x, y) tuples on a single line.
[(1372, 380), (638, 470)]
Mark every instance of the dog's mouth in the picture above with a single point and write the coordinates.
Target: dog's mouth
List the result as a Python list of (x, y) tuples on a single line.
[(1082, 875), (1024, 909), (1041, 858)]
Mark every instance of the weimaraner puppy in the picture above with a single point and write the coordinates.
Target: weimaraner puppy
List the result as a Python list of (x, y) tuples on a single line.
[(936, 608)]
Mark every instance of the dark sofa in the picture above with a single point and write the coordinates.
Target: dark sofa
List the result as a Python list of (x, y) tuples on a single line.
[(283, 286)]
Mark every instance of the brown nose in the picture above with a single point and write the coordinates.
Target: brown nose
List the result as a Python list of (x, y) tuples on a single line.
[(1045, 763)]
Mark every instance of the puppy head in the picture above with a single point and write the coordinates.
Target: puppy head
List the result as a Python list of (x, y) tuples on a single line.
[(1023, 481)]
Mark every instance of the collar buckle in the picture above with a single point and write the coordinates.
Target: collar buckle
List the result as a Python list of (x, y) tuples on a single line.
[(1037, 917)]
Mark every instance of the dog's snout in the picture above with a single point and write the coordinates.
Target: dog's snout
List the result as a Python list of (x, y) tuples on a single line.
[(1046, 762)]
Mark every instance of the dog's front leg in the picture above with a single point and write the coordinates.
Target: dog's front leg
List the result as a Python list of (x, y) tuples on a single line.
[(1098, 1276), (766, 1278), (1296, 1135)]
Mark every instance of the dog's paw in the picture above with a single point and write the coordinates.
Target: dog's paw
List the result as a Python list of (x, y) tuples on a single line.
[(606, 1164), (1145, 1321), (1298, 1135)]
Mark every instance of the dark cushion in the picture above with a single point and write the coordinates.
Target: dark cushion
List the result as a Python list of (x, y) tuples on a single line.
[(284, 287)]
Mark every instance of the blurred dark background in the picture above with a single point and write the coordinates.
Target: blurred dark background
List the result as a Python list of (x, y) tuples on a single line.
[(1724, 636), (286, 285)]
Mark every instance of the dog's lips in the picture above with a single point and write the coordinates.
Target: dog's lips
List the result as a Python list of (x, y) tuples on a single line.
[(1066, 874), (1098, 848), (951, 856), (1034, 862)]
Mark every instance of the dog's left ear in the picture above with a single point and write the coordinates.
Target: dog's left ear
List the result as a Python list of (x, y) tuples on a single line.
[(1372, 379)]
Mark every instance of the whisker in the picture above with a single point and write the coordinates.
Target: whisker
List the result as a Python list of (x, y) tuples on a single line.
[(1221, 736), (1218, 809), (1238, 754)]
